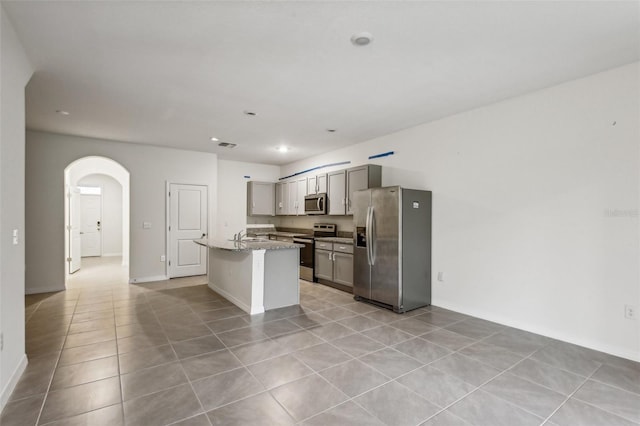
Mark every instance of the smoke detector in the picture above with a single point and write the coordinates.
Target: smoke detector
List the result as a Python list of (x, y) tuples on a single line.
[(227, 145)]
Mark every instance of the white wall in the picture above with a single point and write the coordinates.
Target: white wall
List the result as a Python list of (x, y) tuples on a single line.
[(111, 223), (523, 191), (149, 167), (232, 193), (15, 72)]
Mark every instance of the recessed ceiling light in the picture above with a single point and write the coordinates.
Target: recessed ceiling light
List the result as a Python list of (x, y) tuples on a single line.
[(214, 139), (361, 39), (250, 113), (282, 148), (62, 112)]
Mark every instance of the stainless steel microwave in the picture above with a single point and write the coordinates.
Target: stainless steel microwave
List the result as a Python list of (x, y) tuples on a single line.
[(315, 204)]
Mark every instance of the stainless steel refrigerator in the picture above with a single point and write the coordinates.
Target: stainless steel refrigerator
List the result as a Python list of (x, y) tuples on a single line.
[(392, 247)]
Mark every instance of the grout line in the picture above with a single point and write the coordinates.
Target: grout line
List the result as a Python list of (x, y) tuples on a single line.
[(179, 361), (55, 370), (115, 331), (567, 398)]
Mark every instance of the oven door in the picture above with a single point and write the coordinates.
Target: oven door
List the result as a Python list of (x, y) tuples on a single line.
[(306, 258)]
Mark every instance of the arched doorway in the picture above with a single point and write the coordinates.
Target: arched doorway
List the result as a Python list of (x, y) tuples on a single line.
[(90, 172)]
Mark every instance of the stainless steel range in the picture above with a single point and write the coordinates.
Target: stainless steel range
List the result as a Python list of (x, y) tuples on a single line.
[(307, 253)]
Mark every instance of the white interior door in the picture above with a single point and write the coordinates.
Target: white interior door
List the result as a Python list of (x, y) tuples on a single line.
[(74, 259), (188, 212), (91, 235)]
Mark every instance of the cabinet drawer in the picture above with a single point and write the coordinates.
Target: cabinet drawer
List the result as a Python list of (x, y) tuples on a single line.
[(343, 248), (324, 245)]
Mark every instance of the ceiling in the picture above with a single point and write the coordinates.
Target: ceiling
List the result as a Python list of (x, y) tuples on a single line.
[(177, 73)]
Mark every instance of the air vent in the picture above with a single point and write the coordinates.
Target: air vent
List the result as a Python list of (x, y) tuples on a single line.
[(227, 145)]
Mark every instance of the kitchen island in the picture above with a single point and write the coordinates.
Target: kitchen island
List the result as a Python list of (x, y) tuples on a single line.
[(255, 275)]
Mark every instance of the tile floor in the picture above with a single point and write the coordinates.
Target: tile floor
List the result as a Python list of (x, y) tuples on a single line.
[(174, 352)]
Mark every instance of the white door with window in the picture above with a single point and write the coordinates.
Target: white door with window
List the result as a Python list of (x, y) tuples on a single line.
[(91, 234), (188, 212), (74, 259)]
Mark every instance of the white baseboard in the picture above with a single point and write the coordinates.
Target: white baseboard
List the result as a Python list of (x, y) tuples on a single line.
[(13, 381), (148, 279), (235, 300), (533, 328), (111, 254), (38, 290)]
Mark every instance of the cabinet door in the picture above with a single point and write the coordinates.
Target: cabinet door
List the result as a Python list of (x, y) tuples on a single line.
[(343, 268), (336, 192), (323, 267), (282, 198), (357, 179), (311, 185), (321, 182), (292, 199), (301, 192), (260, 200)]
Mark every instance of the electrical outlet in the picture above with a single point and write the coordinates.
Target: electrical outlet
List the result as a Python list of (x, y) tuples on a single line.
[(440, 276), (629, 311), (163, 258)]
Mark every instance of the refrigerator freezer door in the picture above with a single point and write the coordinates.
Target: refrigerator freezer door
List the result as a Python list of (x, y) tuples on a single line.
[(361, 268), (385, 271)]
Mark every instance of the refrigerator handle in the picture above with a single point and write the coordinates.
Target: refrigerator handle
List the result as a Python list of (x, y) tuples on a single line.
[(372, 236), (368, 234)]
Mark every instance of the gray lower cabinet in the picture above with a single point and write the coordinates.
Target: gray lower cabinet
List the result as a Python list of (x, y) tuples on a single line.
[(343, 268), (334, 262), (324, 264)]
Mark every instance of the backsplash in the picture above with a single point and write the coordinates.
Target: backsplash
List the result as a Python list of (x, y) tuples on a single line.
[(344, 223)]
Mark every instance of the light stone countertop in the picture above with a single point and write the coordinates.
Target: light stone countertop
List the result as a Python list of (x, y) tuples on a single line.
[(247, 245)]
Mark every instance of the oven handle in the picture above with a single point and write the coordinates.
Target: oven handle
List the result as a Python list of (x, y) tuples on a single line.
[(302, 240)]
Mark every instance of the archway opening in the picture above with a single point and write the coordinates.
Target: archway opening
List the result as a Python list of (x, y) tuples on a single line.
[(90, 182)]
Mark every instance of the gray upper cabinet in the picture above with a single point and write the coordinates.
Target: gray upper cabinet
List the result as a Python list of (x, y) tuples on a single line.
[(343, 183), (282, 198), (363, 177), (289, 197), (336, 194), (317, 184), (260, 198), (296, 192)]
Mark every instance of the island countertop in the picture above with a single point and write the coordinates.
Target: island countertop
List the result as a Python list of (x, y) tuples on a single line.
[(247, 245)]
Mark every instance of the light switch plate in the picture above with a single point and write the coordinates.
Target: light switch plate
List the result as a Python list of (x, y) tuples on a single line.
[(146, 225)]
